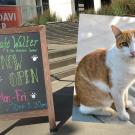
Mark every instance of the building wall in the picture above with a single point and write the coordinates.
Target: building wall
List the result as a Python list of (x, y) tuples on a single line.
[(28, 8), (7, 2), (62, 8)]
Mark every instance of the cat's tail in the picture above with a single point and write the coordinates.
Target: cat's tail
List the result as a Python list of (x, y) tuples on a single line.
[(76, 100)]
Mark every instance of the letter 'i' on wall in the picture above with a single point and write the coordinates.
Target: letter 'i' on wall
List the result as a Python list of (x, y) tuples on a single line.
[(24, 74)]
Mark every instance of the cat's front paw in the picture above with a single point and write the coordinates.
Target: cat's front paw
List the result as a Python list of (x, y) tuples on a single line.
[(124, 116)]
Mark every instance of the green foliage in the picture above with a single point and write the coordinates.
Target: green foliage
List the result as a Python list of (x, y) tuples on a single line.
[(73, 18), (44, 18), (89, 11), (105, 10), (117, 8)]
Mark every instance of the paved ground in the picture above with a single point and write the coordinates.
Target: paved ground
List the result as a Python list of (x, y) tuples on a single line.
[(62, 33)]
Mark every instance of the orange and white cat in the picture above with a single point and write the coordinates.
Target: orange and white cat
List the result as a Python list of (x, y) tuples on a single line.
[(104, 76)]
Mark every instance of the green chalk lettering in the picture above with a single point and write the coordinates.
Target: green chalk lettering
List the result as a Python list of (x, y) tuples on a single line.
[(34, 76), (13, 79), (27, 81), (18, 41), (20, 77), (27, 41), (10, 62), (4, 43), (4, 62), (23, 77), (23, 41), (35, 42), (15, 42), (17, 63)]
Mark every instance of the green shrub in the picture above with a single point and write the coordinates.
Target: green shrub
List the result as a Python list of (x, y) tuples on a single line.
[(44, 18), (117, 7), (105, 10), (131, 7), (89, 11), (73, 18)]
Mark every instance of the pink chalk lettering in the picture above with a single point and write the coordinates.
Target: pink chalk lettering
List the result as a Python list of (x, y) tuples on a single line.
[(20, 96), (5, 98)]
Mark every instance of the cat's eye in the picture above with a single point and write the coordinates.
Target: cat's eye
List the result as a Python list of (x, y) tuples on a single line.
[(125, 44)]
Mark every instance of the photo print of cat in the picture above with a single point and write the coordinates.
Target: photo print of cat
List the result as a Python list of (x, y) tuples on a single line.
[(104, 76), (104, 91)]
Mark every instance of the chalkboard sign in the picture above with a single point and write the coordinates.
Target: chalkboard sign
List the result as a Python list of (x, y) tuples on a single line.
[(25, 87)]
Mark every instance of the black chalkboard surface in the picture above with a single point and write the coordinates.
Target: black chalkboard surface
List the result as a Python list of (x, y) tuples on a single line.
[(21, 73), (25, 87)]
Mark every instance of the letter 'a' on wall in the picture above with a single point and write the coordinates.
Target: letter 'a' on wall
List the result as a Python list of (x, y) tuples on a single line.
[(25, 86)]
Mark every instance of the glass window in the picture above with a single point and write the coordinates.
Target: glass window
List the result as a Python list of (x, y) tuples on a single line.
[(7, 2)]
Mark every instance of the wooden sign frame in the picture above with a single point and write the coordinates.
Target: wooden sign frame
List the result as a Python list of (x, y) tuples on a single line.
[(49, 111)]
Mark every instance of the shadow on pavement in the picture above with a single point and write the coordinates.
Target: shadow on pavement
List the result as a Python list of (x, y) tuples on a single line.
[(67, 130), (63, 101)]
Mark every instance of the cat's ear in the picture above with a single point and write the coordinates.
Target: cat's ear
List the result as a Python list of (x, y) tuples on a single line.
[(116, 31)]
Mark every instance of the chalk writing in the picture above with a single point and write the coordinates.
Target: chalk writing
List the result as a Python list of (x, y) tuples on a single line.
[(18, 42), (10, 62), (5, 98), (23, 77), (19, 97), (21, 73), (23, 41), (33, 50), (4, 43)]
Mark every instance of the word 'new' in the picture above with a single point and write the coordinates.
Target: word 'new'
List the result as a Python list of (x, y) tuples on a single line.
[(10, 62)]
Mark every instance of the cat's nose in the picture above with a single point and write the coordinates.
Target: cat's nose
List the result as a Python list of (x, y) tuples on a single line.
[(133, 53)]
